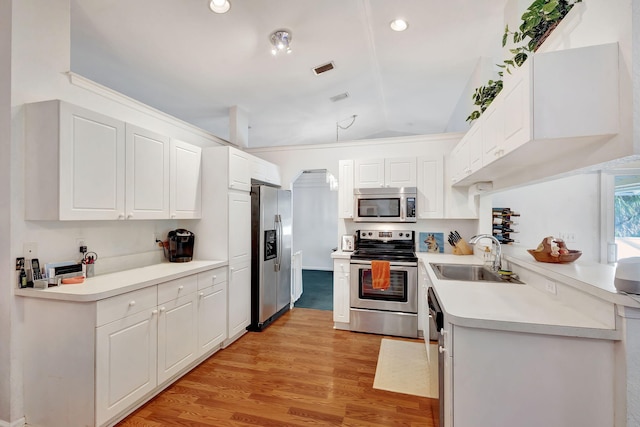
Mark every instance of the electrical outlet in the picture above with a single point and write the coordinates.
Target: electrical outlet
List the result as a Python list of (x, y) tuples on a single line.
[(567, 236), (550, 286), (30, 250), (80, 241)]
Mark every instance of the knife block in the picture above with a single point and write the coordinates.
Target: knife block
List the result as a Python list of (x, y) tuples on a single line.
[(462, 248)]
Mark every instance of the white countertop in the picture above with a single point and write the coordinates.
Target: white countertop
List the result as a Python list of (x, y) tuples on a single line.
[(590, 277), (509, 307), (108, 285)]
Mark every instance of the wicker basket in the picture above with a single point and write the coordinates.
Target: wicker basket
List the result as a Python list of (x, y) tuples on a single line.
[(561, 259)]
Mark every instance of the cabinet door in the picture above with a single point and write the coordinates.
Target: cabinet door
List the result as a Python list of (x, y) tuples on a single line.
[(239, 170), (517, 109), (430, 187), (400, 172), (239, 228), (492, 132), (212, 317), (126, 352), (92, 165), (369, 173), (177, 336), (345, 189), (474, 144), (459, 160), (185, 196), (147, 174), (341, 291), (239, 298)]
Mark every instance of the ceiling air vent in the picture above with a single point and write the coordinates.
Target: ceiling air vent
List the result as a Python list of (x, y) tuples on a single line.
[(339, 97), (323, 68)]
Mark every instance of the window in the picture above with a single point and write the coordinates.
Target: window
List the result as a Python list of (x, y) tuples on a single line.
[(626, 213)]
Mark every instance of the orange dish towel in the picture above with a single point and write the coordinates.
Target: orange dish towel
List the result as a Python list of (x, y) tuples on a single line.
[(380, 275)]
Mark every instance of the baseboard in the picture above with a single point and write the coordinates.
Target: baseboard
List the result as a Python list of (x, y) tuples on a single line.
[(17, 423), (318, 268)]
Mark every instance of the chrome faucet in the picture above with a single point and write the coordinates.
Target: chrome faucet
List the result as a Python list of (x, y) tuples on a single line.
[(497, 261)]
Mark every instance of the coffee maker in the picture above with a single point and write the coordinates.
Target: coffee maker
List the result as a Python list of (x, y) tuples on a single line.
[(180, 245)]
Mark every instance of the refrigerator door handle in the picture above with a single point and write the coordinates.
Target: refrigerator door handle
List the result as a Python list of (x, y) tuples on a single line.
[(278, 242)]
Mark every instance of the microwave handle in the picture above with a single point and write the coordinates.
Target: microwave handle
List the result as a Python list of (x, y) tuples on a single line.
[(403, 209)]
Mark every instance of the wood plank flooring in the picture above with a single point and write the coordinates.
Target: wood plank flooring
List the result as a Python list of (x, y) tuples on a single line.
[(299, 372)]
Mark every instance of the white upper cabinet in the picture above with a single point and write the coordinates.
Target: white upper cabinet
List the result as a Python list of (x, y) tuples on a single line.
[(265, 171), (147, 174), (239, 170), (378, 173), (430, 202), (553, 106), (83, 165), (345, 189), (75, 163), (185, 188)]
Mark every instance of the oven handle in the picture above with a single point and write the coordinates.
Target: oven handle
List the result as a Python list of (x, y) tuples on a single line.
[(392, 263)]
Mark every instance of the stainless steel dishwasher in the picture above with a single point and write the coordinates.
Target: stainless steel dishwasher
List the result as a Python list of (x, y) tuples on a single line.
[(435, 312)]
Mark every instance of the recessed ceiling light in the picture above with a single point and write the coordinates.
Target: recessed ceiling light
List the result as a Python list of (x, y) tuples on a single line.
[(399, 25), (219, 6)]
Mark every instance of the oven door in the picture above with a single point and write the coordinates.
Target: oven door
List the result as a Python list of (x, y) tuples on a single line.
[(401, 296)]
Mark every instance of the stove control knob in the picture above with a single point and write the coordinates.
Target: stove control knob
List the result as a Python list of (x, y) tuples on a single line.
[(370, 234), (400, 234)]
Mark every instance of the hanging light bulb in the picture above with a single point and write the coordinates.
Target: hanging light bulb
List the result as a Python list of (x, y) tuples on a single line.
[(219, 6)]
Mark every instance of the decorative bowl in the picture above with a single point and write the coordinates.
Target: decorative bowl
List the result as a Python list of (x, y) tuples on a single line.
[(561, 259)]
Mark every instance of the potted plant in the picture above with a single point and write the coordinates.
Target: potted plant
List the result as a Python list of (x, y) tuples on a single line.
[(538, 21), (483, 96)]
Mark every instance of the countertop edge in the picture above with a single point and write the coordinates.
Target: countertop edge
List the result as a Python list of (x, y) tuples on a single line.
[(68, 292)]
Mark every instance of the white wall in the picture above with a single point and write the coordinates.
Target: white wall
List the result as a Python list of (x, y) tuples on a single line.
[(315, 220), (8, 387), (570, 204)]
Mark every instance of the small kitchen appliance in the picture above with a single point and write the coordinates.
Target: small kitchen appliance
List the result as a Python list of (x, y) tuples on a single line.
[(627, 277), (385, 204), (180, 243)]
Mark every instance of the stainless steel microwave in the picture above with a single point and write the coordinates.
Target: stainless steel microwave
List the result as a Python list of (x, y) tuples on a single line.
[(385, 204)]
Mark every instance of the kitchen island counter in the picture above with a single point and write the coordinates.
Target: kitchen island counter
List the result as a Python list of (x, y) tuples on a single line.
[(514, 307), (108, 285)]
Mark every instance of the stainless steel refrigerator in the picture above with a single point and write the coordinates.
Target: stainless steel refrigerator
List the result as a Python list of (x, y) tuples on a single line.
[(270, 254)]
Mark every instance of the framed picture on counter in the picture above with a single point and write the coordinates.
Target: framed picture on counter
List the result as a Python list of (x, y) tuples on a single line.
[(431, 242)]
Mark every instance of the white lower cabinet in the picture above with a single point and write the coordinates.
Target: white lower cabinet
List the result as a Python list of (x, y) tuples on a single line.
[(125, 363), (121, 349), (177, 336), (239, 299), (341, 304), (504, 379)]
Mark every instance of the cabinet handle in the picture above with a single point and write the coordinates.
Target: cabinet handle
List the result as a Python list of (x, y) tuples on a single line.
[(441, 349), (154, 311), (173, 215), (443, 332), (121, 215), (181, 287), (132, 303), (201, 294), (130, 216), (162, 309)]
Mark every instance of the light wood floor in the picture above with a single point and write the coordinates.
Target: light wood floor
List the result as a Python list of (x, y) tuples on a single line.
[(298, 372)]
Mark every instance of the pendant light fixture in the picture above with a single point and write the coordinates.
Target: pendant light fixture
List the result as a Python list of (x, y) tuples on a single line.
[(280, 41), (219, 6)]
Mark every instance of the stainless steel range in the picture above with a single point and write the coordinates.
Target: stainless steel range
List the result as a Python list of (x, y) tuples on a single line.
[(390, 311)]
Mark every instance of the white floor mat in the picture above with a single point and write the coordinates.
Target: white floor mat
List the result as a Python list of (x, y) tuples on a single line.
[(403, 367)]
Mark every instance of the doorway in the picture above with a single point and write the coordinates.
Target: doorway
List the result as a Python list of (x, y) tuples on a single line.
[(315, 227)]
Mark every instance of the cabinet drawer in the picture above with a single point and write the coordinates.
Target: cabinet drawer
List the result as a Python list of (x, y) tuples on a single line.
[(212, 277), (120, 306), (177, 288)]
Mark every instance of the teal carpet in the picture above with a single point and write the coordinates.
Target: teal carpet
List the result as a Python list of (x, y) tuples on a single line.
[(317, 290)]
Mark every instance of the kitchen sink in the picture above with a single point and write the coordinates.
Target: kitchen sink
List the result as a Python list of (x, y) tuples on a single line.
[(470, 273)]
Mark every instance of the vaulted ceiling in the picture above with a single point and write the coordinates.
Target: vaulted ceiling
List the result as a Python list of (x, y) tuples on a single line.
[(179, 57)]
